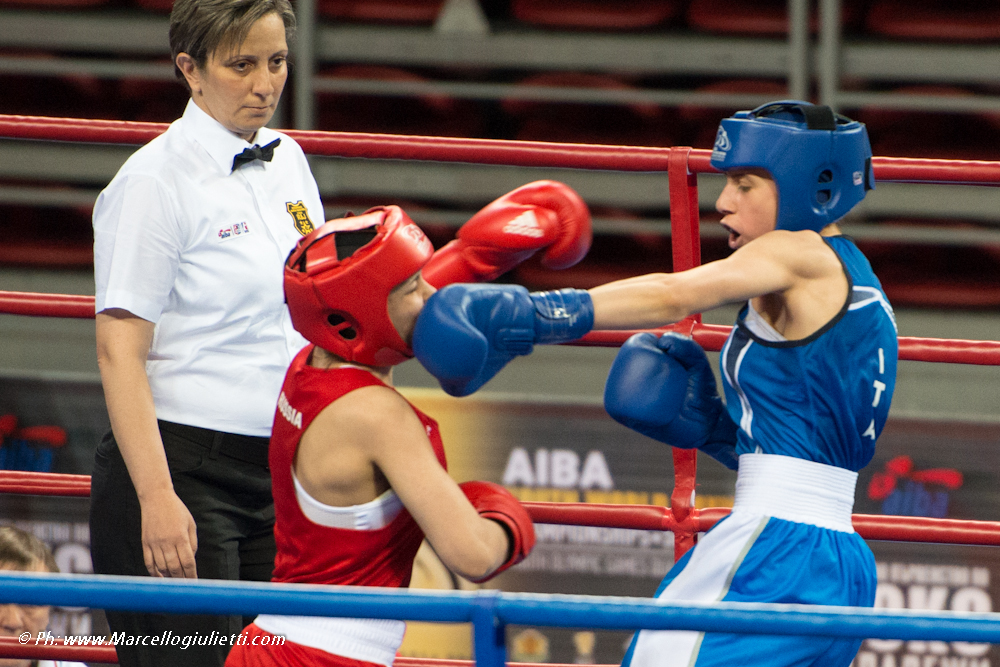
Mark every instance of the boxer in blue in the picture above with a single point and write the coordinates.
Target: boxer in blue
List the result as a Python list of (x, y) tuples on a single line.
[(809, 371)]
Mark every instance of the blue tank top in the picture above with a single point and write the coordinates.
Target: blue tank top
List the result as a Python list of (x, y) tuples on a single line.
[(824, 398)]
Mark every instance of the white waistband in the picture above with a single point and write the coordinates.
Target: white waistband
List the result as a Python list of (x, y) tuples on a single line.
[(366, 639), (797, 490)]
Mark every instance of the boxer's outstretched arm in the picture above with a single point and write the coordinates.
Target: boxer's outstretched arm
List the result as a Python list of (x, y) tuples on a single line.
[(780, 261)]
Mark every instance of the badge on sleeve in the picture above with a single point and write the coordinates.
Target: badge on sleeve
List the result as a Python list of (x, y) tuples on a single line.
[(300, 217)]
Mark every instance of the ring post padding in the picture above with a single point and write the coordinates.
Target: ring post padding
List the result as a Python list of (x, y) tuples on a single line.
[(489, 636), (685, 240)]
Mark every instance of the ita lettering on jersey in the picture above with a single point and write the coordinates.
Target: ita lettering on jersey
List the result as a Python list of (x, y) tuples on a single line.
[(293, 416), (229, 232), (300, 217)]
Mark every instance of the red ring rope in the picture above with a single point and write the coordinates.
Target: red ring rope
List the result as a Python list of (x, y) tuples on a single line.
[(710, 336), (482, 151), (637, 517)]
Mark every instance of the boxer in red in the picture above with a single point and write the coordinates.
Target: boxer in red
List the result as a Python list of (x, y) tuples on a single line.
[(359, 474)]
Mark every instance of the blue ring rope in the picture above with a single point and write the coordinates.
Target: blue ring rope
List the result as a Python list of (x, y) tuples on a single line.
[(489, 610)]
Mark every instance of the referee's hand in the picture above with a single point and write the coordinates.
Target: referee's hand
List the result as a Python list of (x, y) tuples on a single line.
[(169, 537)]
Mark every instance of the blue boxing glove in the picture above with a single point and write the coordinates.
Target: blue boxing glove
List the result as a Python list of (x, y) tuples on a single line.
[(664, 388), (467, 332)]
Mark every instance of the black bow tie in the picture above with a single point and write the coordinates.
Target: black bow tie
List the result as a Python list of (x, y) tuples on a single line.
[(255, 152)]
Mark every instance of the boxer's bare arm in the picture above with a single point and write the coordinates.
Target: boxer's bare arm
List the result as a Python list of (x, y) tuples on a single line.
[(798, 272), (371, 437), (169, 538)]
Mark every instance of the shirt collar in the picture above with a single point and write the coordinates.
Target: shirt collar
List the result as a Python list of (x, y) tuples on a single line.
[(221, 144)]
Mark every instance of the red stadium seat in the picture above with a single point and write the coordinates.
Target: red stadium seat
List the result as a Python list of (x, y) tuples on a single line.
[(952, 20), (753, 17), (957, 136), (596, 14), (46, 237), (53, 4), (381, 11), (427, 115), (158, 6), (151, 100), (69, 95), (942, 276), (633, 124), (703, 122)]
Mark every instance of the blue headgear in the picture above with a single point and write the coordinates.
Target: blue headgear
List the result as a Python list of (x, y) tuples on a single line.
[(820, 161)]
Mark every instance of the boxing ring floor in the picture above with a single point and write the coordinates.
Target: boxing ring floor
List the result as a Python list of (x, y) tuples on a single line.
[(489, 611)]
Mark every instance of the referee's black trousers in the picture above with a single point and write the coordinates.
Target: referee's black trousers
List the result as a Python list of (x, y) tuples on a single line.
[(224, 481)]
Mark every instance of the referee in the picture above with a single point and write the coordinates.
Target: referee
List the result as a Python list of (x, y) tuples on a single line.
[(193, 336)]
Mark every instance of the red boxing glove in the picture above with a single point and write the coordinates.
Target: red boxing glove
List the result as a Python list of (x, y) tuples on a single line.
[(492, 501), (543, 214)]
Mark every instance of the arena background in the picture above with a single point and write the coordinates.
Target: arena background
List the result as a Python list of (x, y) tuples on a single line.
[(522, 69)]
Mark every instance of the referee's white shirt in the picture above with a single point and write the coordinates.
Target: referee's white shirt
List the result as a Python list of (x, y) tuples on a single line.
[(184, 242)]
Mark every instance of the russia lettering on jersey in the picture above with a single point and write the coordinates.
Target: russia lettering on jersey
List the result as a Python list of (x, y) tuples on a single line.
[(308, 552), (293, 416)]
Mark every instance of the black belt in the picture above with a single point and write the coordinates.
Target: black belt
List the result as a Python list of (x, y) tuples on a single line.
[(246, 448)]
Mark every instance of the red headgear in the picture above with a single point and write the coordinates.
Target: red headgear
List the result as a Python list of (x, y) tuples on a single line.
[(338, 301)]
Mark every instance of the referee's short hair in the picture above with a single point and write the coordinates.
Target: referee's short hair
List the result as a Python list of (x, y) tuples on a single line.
[(200, 27), (21, 550)]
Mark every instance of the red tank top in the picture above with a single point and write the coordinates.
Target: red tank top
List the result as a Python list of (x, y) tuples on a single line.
[(314, 554)]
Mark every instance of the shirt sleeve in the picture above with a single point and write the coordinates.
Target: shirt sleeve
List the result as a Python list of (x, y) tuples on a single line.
[(137, 246)]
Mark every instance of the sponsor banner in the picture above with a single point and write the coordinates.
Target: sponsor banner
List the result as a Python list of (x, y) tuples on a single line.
[(937, 470), (564, 453), (930, 587)]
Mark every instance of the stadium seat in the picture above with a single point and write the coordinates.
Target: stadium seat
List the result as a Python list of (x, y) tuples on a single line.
[(53, 4), (753, 17), (46, 237), (703, 122), (427, 115), (956, 136), (156, 6), (935, 276), (69, 95), (381, 11), (596, 14), (151, 100), (953, 20), (634, 124)]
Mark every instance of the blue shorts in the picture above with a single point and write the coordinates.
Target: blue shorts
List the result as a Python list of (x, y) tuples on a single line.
[(749, 557)]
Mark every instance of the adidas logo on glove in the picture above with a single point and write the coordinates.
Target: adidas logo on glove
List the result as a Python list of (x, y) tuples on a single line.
[(525, 224)]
